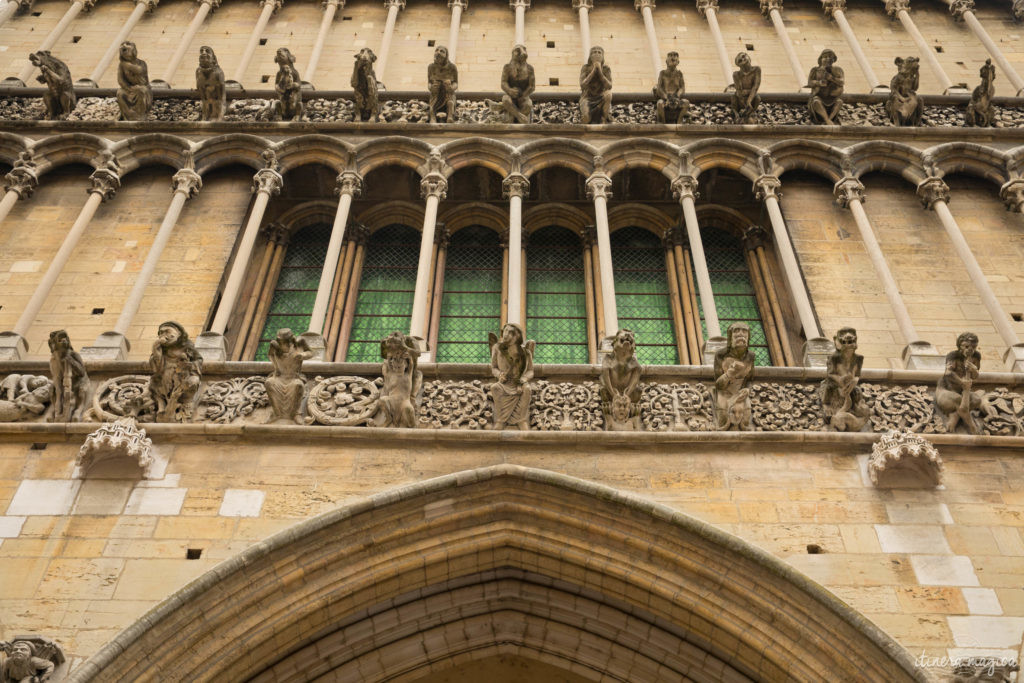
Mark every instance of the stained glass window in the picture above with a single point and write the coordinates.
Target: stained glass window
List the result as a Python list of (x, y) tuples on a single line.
[(642, 295), (295, 293), (734, 294), (385, 290), (471, 304), (556, 313)]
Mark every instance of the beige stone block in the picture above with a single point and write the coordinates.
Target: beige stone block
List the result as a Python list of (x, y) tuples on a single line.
[(142, 579), (854, 570), (914, 631), (1009, 540), (68, 578), (868, 599), (971, 540), (859, 538), (194, 527), (931, 600)]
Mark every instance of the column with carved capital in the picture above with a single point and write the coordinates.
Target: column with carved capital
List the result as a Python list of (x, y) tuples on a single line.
[(51, 39), (457, 7), (141, 7), (514, 188), (269, 8), (583, 8), (836, 9), (901, 10), (19, 183), (934, 194), (330, 8), (106, 181), (1012, 194), (205, 7), (709, 10), (685, 190), (963, 10), (766, 188), (393, 7), (433, 188), (599, 189), (772, 9), (520, 7), (646, 9)]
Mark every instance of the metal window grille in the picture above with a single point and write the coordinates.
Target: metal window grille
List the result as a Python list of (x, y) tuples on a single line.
[(471, 305), (642, 294), (386, 289), (556, 313)]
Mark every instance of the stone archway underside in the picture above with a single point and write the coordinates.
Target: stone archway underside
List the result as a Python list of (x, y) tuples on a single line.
[(502, 561)]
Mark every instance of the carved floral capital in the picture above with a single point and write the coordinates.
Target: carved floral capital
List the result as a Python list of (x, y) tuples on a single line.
[(214, 4), (894, 7), (187, 181), (768, 5), (150, 4), (357, 233), (685, 187), (277, 234), (349, 182), (958, 7), (275, 3), (87, 5), (267, 180), (589, 235), (519, 3), (1012, 194), (704, 5), (400, 4), (767, 187), (848, 190), (442, 235), (464, 4), (833, 6), (340, 4), (638, 5), (599, 186), (932, 190), (434, 185), (22, 178), (105, 182), (582, 4), (516, 185), (676, 237)]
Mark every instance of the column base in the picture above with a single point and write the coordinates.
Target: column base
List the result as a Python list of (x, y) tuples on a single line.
[(159, 83), (86, 83), (13, 82), (921, 355), (12, 346), (306, 85), (108, 346), (316, 344), (711, 347), (1014, 358), (958, 89), (816, 352), (211, 346), (880, 90), (233, 85)]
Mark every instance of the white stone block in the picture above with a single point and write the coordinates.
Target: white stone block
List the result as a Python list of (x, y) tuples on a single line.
[(987, 632), (943, 570), (144, 501), (982, 601), (169, 481), (25, 266), (10, 527), (918, 513), (102, 497), (912, 538), (242, 503), (44, 497)]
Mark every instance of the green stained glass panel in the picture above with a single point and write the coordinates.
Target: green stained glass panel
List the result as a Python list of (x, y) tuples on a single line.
[(386, 288), (556, 314), (471, 304), (642, 294)]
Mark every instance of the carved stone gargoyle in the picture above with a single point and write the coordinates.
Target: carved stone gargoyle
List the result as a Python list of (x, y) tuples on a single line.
[(398, 405), (512, 369), (620, 384), (30, 658), (285, 385), (841, 398), (70, 380), (734, 366)]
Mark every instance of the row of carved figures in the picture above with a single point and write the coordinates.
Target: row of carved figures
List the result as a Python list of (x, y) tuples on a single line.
[(617, 401), (826, 82)]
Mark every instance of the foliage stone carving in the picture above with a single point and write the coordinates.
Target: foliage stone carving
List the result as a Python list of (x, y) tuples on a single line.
[(455, 405), (343, 401), (230, 399), (903, 409), (786, 408), (676, 407), (565, 406), (1003, 413), (124, 396)]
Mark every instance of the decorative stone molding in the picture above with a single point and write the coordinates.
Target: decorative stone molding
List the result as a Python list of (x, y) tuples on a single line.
[(767, 186), (122, 438), (1012, 194), (599, 185), (566, 407), (833, 6), (848, 190), (904, 460), (342, 401), (22, 177), (451, 404), (434, 186), (768, 6), (515, 185), (582, 4), (685, 187), (464, 4), (349, 182), (958, 7), (229, 400), (640, 4), (187, 181), (704, 5), (267, 180), (681, 407), (932, 190), (894, 7)]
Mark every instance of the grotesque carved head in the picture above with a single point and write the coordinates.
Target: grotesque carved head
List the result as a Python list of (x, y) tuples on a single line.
[(672, 60), (738, 337), (21, 652), (171, 334), (967, 344), (597, 55), (207, 59), (827, 58), (742, 60), (846, 338), (512, 333), (441, 55), (129, 53), (284, 56), (60, 342), (365, 58), (285, 337), (519, 53), (624, 340)]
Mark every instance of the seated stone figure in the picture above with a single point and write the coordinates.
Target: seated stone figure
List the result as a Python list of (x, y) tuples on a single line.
[(364, 85), (210, 84), (288, 106), (176, 371), (518, 83), (134, 96), (402, 381), (443, 82), (70, 380), (596, 89), (904, 106), (980, 111), (734, 366), (285, 385), (841, 398), (953, 394), (59, 98), (512, 367), (620, 384), (746, 81), (671, 107), (826, 82)]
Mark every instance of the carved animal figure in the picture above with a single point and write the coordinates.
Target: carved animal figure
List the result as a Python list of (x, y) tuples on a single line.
[(288, 84), (364, 85), (59, 97), (176, 371), (402, 380), (70, 381), (980, 111), (904, 106), (620, 379)]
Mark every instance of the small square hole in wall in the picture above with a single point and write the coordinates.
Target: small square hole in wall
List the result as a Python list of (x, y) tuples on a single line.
[(36, 14), (38, 447), (750, 47), (552, 81), (264, 78), (430, 43), (193, 553), (551, 43), (75, 39), (346, 18), (814, 549), (263, 41), (938, 48), (98, 311), (1017, 317), (960, 64)]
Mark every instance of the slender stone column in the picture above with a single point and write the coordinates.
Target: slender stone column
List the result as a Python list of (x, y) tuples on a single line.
[(599, 189), (646, 9), (837, 10), (141, 7), (205, 7), (709, 9), (51, 39), (520, 7), (934, 194), (10, 8), (389, 31), (583, 8), (685, 190), (433, 188), (514, 188), (772, 9), (330, 8), (269, 8), (349, 185), (20, 183), (963, 10), (901, 10), (106, 180), (457, 7)]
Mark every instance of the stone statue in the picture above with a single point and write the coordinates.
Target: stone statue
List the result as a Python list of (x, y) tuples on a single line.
[(443, 81), (518, 83), (953, 395), (176, 369), (210, 84), (746, 81), (59, 97), (904, 106), (285, 384), (826, 82), (23, 397), (402, 379), (29, 660), (671, 107), (734, 366), (512, 367), (595, 89), (1018, 10), (364, 84), (288, 84), (620, 384), (134, 96), (70, 381), (841, 398), (980, 111)]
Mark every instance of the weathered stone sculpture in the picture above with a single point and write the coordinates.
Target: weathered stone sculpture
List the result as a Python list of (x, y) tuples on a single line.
[(210, 84), (403, 381), (671, 107), (746, 81), (904, 460), (176, 369), (1018, 10), (121, 439), (620, 384), (30, 659), (980, 111), (953, 395), (285, 384), (734, 366), (518, 83), (59, 98), (134, 95), (443, 82), (288, 84), (512, 367), (364, 85), (70, 381), (595, 89), (826, 82), (904, 106), (841, 398), (23, 397)]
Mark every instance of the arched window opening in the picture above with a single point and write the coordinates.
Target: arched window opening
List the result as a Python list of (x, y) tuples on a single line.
[(556, 314), (384, 303), (471, 304), (642, 295)]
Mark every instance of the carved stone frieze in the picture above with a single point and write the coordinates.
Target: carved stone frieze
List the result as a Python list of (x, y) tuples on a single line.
[(566, 407), (786, 407), (676, 407), (123, 396), (122, 438), (833, 6), (24, 397), (901, 459), (1002, 413), (455, 405), (903, 408), (343, 401), (231, 399)]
